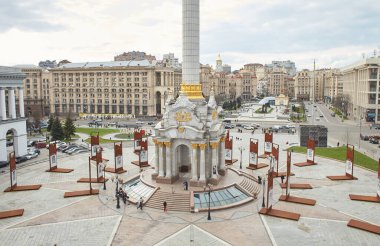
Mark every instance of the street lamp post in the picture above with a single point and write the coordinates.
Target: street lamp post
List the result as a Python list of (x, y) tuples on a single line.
[(209, 200), (241, 156), (263, 204), (117, 180), (104, 176)]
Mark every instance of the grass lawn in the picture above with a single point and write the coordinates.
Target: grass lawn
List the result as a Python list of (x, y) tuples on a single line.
[(339, 153), (124, 135), (102, 131), (258, 111), (102, 141)]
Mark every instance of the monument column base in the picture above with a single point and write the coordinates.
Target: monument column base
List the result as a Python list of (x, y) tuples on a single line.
[(165, 180), (154, 176), (214, 181), (197, 183), (222, 171)]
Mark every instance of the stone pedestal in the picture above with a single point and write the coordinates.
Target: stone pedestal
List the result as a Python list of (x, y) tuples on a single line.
[(154, 176), (214, 181), (222, 172), (197, 183), (166, 180)]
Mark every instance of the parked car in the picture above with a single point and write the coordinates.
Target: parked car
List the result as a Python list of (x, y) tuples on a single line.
[(3, 163), (333, 114), (69, 148), (31, 155), (375, 126), (81, 150), (140, 123), (228, 126), (21, 159), (248, 128), (308, 115)]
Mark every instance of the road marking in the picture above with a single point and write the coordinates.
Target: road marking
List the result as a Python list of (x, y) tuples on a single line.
[(271, 237)]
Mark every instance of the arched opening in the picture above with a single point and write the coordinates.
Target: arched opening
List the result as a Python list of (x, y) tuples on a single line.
[(158, 103), (183, 161)]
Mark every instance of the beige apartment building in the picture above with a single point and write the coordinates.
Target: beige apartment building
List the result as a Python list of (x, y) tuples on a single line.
[(36, 91), (277, 82), (132, 87), (333, 85), (361, 84), (302, 85)]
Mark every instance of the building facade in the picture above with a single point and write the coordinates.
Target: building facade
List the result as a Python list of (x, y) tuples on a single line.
[(131, 87), (361, 85), (12, 115)]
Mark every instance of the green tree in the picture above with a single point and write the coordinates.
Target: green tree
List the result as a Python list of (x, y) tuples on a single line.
[(69, 128), (56, 130), (50, 123)]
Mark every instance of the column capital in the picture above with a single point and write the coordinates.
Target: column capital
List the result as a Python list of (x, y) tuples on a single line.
[(161, 144), (167, 144), (202, 146), (155, 141), (222, 139), (214, 145), (194, 145)]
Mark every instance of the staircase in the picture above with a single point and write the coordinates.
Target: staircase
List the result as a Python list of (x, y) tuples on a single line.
[(175, 202), (250, 186)]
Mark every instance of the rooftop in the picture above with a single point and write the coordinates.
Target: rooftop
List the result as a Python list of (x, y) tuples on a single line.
[(132, 63)]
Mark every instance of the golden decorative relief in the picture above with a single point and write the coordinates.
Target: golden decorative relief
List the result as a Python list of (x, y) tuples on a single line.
[(192, 91), (214, 145), (214, 115), (168, 144), (222, 139), (155, 141), (183, 116), (194, 146), (160, 144), (202, 146), (181, 129)]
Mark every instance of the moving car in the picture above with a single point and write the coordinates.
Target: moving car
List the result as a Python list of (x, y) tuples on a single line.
[(21, 159), (31, 155), (249, 128)]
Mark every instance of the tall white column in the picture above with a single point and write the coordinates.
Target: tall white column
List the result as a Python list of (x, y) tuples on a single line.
[(156, 161), (3, 109), (222, 160), (190, 41), (194, 164), (168, 160), (214, 158), (11, 103), (21, 101), (161, 172), (202, 166)]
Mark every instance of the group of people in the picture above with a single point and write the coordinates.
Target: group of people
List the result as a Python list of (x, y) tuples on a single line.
[(123, 195)]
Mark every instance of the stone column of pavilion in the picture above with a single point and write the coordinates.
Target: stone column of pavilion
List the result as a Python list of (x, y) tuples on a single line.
[(10, 80)]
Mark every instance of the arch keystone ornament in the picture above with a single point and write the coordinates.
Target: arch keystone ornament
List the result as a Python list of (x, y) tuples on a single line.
[(310, 155), (118, 162), (349, 166), (364, 198), (53, 161), (287, 197), (254, 155), (13, 177)]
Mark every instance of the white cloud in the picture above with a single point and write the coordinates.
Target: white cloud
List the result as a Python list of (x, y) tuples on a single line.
[(242, 31)]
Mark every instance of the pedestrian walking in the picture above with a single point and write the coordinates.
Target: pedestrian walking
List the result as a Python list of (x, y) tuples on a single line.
[(141, 203), (282, 179), (186, 185), (165, 207)]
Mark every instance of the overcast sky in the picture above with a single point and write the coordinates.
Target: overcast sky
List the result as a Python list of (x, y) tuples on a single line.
[(334, 32)]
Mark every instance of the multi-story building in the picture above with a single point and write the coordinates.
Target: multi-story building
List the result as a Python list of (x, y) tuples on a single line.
[(170, 61), (135, 56), (289, 66), (333, 85), (302, 85), (36, 91), (128, 87), (47, 64), (277, 79), (361, 85)]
